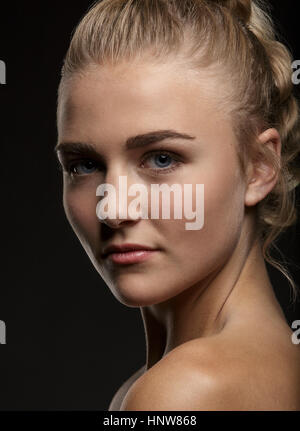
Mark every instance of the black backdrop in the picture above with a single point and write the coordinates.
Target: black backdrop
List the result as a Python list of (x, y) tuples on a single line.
[(69, 342)]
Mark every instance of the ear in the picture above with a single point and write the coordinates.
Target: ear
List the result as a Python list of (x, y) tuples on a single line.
[(262, 175)]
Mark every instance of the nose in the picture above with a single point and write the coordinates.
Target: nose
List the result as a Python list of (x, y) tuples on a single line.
[(115, 207)]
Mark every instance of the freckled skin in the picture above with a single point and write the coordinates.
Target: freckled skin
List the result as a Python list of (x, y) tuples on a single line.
[(201, 282)]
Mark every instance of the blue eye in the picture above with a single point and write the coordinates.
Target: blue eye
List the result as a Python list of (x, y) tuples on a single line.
[(83, 167), (157, 162), (160, 162)]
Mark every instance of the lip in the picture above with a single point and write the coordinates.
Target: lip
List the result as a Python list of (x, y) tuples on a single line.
[(128, 253)]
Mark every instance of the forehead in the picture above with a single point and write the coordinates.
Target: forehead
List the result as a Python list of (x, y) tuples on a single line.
[(137, 97)]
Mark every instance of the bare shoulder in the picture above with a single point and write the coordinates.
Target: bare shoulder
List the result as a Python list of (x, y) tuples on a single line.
[(173, 383), (121, 392), (258, 370)]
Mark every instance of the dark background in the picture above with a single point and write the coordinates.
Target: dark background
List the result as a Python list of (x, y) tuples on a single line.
[(70, 343)]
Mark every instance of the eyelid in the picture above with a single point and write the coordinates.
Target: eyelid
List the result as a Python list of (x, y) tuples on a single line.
[(66, 158), (68, 163), (161, 151), (162, 171)]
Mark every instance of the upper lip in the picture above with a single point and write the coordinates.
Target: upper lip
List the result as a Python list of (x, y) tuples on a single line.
[(114, 248)]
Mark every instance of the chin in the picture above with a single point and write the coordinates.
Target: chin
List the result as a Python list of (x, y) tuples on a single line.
[(133, 298), (134, 293)]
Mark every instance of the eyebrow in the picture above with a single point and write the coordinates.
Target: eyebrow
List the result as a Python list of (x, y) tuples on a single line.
[(137, 141)]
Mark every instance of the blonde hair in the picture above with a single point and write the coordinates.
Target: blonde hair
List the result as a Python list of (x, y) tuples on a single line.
[(238, 35)]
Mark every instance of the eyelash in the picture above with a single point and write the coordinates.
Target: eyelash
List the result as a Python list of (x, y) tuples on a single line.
[(156, 171)]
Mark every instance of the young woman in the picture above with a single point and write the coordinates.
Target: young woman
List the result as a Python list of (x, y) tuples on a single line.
[(187, 92)]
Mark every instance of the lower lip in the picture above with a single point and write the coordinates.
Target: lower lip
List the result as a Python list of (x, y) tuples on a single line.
[(131, 256)]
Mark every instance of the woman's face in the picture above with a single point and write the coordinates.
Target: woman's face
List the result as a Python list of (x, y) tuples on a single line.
[(101, 110)]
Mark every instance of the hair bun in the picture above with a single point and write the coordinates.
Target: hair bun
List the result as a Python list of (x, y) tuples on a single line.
[(240, 8)]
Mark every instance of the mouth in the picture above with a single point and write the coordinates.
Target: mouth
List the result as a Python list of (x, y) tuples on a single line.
[(128, 253)]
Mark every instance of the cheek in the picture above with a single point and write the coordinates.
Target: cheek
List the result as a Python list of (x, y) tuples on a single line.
[(80, 209), (206, 249), (224, 210), (224, 198)]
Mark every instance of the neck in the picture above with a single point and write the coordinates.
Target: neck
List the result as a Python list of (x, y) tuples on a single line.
[(204, 309)]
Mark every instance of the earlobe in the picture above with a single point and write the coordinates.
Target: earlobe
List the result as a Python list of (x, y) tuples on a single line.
[(264, 168)]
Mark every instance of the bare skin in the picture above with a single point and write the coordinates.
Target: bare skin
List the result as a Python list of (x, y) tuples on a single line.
[(216, 336), (253, 349)]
